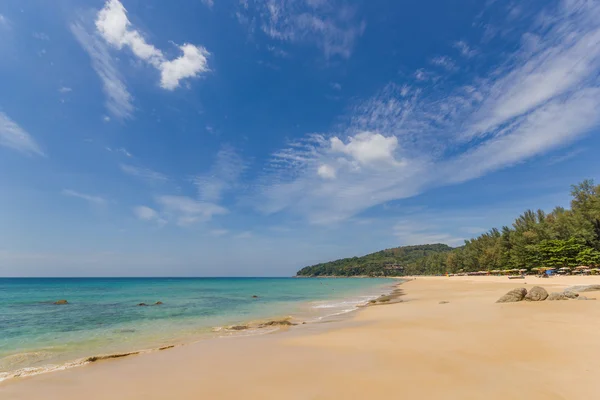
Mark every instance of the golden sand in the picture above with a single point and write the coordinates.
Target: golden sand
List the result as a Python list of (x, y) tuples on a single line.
[(469, 348)]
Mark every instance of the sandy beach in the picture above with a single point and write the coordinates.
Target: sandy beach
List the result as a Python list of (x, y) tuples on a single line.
[(468, 348)]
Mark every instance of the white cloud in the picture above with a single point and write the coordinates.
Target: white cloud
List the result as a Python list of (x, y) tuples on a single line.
[(192, 63), (96, 200), (186, 211), (145, 174), (65, 89), (114, 26), (332, 25), (16, 138), (145, 213), (407, 139), (119, 101), (335, 86), (219, 232), (326, 171), (367, 148), (208, 3)]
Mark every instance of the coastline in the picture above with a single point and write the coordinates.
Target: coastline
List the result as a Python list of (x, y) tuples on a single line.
[(237, 329), (470, 347)]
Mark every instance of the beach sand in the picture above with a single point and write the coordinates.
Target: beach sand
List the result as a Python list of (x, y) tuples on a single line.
[(469, 348)]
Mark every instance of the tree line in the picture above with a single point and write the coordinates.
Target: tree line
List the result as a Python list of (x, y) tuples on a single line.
[(561, 238)]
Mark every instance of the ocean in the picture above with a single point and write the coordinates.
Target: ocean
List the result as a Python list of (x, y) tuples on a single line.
[(103, 316)]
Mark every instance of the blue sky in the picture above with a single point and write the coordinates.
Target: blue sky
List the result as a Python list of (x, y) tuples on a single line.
[(226, 137)]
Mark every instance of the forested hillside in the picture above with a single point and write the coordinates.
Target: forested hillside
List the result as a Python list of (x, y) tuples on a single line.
[(561, 238), (390, 262)]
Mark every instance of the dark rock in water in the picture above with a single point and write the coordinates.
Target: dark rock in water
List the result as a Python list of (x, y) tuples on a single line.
[(513, 296), (142, 304), (158, 303), (443, 302), (60, 302), (570, 295), (281, 322), (557, 296), (255, 297), (239, 327), (536, 293), (583, 288)]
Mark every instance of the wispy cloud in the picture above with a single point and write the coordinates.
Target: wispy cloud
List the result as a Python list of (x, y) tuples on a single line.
[(4, 22), (116, 29), (119, 101), (65, 89), (223, 176), (145, 174), (186, 211), (332, 25), (464, 49), (409, 138), (95, 200), (16, 138)]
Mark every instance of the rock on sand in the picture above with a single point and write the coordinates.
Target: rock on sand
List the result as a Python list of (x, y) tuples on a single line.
[(513, 296)]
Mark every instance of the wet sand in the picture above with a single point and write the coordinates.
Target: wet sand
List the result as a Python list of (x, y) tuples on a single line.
[(469, 348)]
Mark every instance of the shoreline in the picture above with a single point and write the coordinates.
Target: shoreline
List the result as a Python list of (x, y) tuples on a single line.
[(240, 329), (449, 331)]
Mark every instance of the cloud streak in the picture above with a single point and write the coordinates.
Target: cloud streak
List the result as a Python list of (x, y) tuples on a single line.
[(95, 200), (16, 138), (119, 101)]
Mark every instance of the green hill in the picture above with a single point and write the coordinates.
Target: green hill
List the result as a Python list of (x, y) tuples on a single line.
[(390, 262)]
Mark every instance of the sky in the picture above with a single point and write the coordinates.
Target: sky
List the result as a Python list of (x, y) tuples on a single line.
[(253, 138)]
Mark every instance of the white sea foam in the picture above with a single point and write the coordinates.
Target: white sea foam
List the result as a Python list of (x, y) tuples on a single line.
[(31, 371)]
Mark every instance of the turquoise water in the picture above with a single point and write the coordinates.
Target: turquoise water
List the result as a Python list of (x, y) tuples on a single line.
[(103, 317)]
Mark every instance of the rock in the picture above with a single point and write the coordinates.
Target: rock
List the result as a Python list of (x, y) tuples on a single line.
[(142, 304), (158, 303), (443, 302), (557, 296), (536, 293), (513, 296), (281, 322), (238, 327), (570, 295), (583, 288), (61, 302), (255, 297), (585, 298)]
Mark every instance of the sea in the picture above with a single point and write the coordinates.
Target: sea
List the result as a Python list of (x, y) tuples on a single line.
[(103, 316)]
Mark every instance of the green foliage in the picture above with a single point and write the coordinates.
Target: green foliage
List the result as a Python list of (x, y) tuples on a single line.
[(562, 238), (390, 262)]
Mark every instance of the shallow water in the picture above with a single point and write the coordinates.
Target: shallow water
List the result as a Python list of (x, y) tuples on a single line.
[(103, 317)]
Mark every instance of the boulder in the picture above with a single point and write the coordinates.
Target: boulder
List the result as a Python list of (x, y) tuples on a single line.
[(61, 302), (142, 304), (557, 296), (158, 303), (570, 295), (255, 297), (513, 296), (583, 288), (536, 293), (443, 302), (585, 298)]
